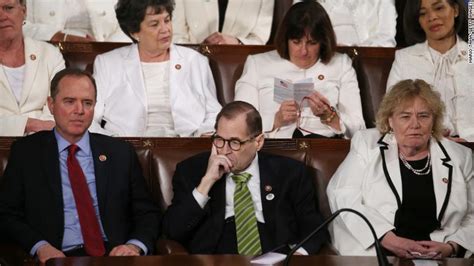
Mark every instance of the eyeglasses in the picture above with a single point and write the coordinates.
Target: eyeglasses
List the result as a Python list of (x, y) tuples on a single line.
[(234, 144)]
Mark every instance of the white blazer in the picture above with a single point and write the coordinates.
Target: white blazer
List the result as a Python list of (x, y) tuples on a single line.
[(42, 61), (248, 20), (122, 101), (337, 79), (374, 21), (361, 184), (415, 62), (46, 17)]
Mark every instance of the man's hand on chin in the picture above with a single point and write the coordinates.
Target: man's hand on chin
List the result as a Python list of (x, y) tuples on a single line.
[(125, 250), (46, 252)]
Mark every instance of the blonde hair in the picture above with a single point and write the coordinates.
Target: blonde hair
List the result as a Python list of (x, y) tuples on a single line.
[(405, 91)]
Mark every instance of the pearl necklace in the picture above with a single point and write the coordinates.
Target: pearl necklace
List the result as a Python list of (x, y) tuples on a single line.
[(423, 171)]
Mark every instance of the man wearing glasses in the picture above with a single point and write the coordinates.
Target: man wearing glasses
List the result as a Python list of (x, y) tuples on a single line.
[(237, 200)]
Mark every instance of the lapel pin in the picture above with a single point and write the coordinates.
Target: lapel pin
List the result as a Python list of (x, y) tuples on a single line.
[(463, 52), (268, 188), (321, 77), (177, 66), (445, 180), (33, 57), (270, 196), (102, 158)]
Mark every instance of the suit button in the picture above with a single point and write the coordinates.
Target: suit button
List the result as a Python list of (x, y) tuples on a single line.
[(103, 13), (52, 13)]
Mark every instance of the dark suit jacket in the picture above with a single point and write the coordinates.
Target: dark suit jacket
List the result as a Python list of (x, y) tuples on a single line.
[(31, 203), (290, 216)]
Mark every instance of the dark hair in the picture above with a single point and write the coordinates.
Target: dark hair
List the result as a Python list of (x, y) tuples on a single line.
[(302, 18), (130, 13), (76, 72), (411, 25), (236, 108)]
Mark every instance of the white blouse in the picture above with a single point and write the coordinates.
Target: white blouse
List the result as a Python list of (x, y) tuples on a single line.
[(159, 119), (443, 82), (15, 78)]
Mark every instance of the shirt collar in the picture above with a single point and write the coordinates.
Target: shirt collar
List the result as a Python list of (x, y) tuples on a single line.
[(83, 143), (252, 169)]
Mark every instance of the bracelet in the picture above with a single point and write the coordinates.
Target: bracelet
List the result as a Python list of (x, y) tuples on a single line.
[(453, 250), (328, 119), (65, 37)]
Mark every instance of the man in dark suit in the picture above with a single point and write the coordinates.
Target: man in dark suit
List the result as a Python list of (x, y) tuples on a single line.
[(206, 211), (71, 192)]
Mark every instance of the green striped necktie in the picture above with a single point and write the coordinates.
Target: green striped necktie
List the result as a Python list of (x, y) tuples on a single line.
[(248, 238)]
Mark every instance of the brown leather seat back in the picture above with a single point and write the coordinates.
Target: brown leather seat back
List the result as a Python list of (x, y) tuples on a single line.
[(323, 157), (227, 63), (372, 66), (82, 55)]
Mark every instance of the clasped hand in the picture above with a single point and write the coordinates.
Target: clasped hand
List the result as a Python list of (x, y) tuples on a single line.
[(410, 249)]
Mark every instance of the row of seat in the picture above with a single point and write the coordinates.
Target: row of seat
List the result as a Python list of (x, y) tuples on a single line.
[(158, 158), (372, 65)]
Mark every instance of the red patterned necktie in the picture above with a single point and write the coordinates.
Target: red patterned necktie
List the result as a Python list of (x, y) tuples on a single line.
[(93, 242)]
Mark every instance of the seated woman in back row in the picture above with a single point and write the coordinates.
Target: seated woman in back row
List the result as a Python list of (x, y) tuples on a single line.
[(415, 186), (153, 88), (440, 57), (306, 46), (26, 69)]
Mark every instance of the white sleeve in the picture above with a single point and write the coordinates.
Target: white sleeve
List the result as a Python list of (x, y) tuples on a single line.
[(395, 72), (386, 28), (247, 90), (208, 90), (101, 76), (345, 191), (349, 106), (261, 31), (180, 25)]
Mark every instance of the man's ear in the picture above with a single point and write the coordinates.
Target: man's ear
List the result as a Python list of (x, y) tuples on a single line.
[(50, 104), (260, 140)]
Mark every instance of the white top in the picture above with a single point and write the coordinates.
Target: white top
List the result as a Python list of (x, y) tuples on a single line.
[(452, 79), (160, 121), (77, 20), (336, 80), (362, 22), (15, 78), (443, 82)]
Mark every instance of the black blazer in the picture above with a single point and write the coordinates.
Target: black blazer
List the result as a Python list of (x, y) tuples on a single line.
[(31, 202), (290, 216)]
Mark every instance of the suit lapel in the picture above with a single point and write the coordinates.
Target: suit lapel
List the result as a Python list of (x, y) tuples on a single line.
[(52, 169), (211, 11), (32, 58), (391, 166), (134, 72), (177, 66), (233, 9), (268, 182), (100, 169), (442, 176)]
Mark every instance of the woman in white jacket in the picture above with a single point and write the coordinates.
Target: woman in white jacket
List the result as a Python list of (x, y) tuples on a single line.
[(439, 29), (362, 22), (223, 22), (73, 20), (153, 88), (26, 69), (305, 52), (414, 186)]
